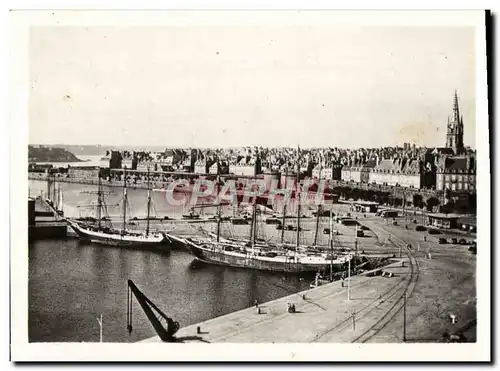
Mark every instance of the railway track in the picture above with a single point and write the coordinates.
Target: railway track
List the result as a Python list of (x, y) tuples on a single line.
[(398, 305), (395, 293)]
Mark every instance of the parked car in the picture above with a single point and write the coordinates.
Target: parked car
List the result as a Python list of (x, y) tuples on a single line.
[(442, 241), (364, 228), (420, 228), (434, 231), (273, 221), (326, 231), (394, 223), (360, 233), (454, 241), (462, 241), (414, 221), (473, 248)]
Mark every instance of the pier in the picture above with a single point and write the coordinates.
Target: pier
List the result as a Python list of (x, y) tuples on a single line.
[(323, 314), (382, 305), (43, 220)]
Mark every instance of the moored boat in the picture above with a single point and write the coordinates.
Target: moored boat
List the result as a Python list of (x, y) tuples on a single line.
[(100, 229), (275, 260), (213, 249), (115, 237)]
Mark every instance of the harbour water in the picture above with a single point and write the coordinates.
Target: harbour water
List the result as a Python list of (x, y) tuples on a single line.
[(71, 283), (87, 160)]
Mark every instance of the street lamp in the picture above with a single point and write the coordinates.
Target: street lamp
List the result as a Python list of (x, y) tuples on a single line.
[(349, 278), (99, 320)]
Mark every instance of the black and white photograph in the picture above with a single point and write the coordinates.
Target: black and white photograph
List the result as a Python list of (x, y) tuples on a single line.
[(250, 185)]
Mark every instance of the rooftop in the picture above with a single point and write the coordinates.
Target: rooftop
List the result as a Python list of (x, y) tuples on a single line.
[(444, 216), (366, 203)]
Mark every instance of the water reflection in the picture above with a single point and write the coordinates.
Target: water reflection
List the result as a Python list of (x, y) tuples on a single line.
[(72, 283)]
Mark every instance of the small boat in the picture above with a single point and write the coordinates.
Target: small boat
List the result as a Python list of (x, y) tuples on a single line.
[(191, 216)]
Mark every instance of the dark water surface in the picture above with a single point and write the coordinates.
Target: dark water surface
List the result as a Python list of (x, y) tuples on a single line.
[(71, 283)]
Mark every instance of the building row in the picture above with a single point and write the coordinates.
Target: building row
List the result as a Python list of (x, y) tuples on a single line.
[(456, 173)]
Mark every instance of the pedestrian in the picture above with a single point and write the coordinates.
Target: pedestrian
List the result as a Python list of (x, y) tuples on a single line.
[(256, 303)]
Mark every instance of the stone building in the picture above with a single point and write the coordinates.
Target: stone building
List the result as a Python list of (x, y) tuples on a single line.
[(246, 166), (358, 172), (401, 172), (456, 173)]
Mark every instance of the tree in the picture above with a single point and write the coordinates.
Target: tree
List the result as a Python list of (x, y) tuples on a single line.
[(431, 203), (417, 200), (472, 202)]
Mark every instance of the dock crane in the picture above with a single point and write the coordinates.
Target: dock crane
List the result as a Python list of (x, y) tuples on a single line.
[(149, 308)]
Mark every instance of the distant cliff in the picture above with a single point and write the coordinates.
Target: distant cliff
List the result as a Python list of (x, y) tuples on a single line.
[(50, 154)]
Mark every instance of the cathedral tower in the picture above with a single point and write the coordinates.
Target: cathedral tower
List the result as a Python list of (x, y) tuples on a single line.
[(455, 129)]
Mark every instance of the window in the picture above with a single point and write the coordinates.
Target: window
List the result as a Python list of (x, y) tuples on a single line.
[(466, 185), (446, 177), (453, 177), (459, 186), (453, 186), (460, 178)]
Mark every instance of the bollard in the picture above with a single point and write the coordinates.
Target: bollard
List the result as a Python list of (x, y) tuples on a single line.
[(198, 330)]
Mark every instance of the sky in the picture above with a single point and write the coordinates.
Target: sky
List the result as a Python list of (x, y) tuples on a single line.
[(208, 86)]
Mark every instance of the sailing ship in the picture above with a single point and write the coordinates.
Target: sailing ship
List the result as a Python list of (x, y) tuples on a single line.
[(103, 232), (54, 196), (214, 249)]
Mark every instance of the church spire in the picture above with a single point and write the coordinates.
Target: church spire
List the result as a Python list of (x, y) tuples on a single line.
[(454, 135), (456, 112)]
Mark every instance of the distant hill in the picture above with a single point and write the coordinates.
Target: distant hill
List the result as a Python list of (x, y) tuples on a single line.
[(50, 154), (82, 150), (100, 149)]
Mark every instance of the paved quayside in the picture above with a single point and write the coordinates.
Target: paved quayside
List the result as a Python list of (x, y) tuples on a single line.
[(324, 314), (434, 288)]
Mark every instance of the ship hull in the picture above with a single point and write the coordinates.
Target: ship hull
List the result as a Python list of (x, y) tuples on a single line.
[(286, 264), (116, 239)]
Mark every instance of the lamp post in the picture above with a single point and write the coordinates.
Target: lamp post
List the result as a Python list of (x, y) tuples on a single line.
[(404, 317), (99, 320), (349, 279)]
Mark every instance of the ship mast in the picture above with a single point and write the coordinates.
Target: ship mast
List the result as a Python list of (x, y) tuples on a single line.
[(59, 198), (218, 204), (61, 202), (149, 205), (54, 191), (99, 200), (297, 196), (254, 222), (124, 199), (284, 213), (318, 210), (331, 245)]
